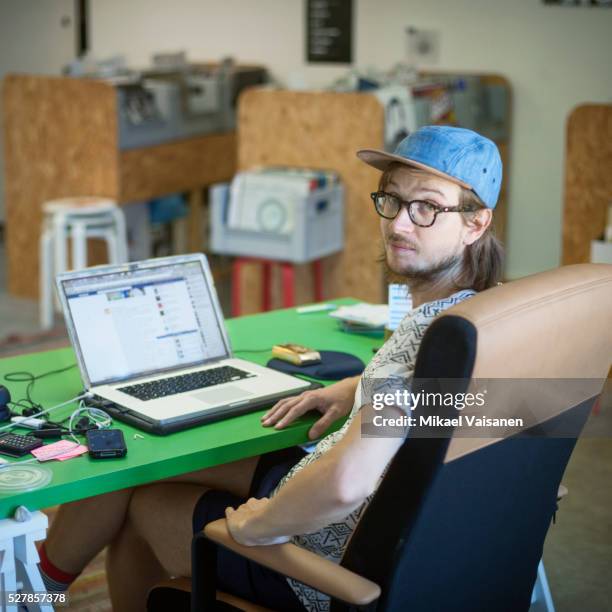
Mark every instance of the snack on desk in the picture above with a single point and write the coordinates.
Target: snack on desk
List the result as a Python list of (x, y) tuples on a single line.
[(296, 354)]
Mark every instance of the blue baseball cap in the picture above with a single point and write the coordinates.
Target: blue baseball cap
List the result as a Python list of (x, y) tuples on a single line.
[(459, 155)]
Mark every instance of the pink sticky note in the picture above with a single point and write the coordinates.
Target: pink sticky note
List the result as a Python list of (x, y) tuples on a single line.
[(79, 450), (54, 451)]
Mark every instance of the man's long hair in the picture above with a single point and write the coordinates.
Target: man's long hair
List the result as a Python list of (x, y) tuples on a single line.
[(483, 260)]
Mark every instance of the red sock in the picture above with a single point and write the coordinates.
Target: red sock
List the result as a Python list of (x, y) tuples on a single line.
[(54, 578)]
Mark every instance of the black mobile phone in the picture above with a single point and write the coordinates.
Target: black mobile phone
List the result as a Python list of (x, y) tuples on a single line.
[(106, 443)]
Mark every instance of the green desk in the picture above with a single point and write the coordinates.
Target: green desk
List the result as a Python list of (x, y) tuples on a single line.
[(152, 457)]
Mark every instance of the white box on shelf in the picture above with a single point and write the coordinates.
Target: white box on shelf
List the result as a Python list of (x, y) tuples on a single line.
[(278, 214)]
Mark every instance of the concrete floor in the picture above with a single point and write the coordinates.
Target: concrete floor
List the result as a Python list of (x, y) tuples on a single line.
[(578, 549)]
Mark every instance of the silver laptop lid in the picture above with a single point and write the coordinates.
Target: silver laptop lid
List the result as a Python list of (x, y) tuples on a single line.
[(143, 318)]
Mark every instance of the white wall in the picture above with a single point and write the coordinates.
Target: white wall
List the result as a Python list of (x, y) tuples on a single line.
[(36, 37), (555, 58)]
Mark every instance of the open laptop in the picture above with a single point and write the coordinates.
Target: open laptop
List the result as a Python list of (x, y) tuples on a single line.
[(152, 347)]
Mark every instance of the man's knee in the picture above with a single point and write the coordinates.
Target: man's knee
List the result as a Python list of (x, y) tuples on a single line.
[(159, 508), (145, 506), (160, 514)]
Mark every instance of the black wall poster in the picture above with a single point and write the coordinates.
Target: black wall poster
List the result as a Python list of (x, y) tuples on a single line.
[(329, 31)]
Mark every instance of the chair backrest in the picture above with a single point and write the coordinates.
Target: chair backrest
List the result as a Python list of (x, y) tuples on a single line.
[(459, 524)]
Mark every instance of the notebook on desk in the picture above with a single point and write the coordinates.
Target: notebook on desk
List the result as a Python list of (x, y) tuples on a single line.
[(151, 345)]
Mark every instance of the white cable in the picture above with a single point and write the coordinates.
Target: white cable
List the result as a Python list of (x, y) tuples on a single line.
[(94, 414), (47, 410)]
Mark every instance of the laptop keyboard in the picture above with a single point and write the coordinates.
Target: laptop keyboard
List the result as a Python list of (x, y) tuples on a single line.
[(185, 382)]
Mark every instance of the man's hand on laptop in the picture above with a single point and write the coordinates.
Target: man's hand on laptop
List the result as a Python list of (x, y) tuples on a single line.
[(333, 402)]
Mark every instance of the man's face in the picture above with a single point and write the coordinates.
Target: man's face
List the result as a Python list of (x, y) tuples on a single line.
[(419, 251)]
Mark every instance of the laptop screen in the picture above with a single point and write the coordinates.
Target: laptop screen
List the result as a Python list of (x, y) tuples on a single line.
[(140, 320)]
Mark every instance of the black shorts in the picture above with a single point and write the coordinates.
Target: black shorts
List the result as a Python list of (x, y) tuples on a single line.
[(235, 574)]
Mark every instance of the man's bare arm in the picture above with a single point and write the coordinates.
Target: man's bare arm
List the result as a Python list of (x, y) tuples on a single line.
[(323, 492)]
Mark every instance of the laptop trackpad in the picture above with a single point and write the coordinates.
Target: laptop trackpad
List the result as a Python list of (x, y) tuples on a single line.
[(220, 397)]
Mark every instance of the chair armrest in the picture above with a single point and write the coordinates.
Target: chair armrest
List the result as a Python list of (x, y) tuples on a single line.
[(301, 564)]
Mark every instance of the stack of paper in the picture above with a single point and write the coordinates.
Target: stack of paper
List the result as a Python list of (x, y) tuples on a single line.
[(362, 317), (266, 199)]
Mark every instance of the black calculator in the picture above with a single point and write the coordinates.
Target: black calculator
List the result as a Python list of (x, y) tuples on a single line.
[(16, 445)]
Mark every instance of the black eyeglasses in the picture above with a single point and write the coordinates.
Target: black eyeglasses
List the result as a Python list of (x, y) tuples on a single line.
[(421, 213)]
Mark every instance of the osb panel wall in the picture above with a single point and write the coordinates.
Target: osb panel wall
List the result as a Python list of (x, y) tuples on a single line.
[(60, 139), (177, 166), (588, 179), (320, 130)]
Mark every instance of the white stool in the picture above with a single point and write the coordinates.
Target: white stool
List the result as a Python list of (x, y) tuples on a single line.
[(19, 560), (78, 219)]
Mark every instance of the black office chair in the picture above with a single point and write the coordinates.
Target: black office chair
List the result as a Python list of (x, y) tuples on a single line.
[(459, 525)]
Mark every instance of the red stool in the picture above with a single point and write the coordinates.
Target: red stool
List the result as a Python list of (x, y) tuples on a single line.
[(287, 280)]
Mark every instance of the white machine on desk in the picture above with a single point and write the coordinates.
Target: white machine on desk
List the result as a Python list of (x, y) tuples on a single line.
[(283, 214)]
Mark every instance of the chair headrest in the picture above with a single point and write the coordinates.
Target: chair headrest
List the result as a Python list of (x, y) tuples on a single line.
[(553, 325)]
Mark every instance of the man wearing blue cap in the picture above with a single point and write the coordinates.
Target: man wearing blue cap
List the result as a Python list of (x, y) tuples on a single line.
[(435, 199), (440, 170)]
